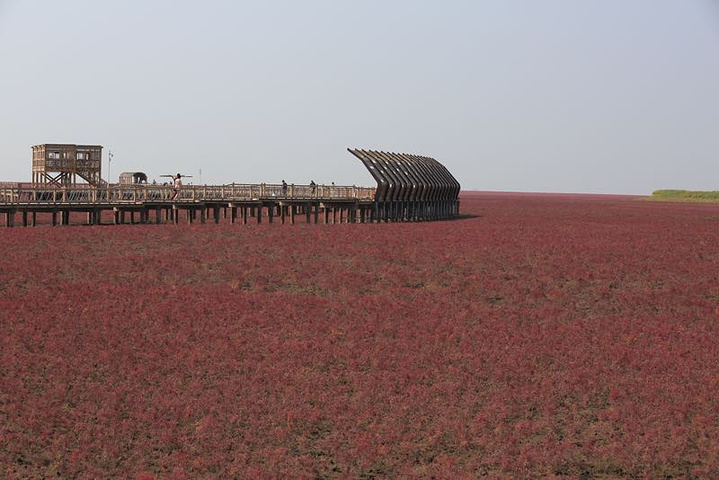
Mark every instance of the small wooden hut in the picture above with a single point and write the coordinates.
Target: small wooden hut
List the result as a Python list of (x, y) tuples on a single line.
[(132, 178)]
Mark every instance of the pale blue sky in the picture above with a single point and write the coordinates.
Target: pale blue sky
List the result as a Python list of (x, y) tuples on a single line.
[(606, 96)]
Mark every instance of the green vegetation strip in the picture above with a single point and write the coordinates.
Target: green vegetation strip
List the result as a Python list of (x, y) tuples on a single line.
[(685, 195)]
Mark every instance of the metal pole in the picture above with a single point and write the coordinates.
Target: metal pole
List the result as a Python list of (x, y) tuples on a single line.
[(109, 166)]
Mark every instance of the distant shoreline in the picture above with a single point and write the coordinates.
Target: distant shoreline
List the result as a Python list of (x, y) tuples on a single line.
[(470, 193), (693, 196)]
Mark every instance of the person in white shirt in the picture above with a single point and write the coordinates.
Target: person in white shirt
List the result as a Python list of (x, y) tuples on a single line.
[(177, 186)]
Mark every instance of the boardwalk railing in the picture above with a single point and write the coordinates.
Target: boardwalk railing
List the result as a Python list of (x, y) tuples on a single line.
[(133, 194)]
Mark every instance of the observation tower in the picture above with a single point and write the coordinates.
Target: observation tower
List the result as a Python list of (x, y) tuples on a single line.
[(61, 164)]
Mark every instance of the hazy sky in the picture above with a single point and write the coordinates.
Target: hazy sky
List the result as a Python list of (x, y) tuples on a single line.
[(608, 96)]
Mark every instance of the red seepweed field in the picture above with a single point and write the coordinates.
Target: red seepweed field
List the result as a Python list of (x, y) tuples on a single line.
[(540, 336)]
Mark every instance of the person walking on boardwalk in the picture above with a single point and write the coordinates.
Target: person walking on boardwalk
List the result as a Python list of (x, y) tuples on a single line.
[(313, 187), (284, 188), (177, 186)]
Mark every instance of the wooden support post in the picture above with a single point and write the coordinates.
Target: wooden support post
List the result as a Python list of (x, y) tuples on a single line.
[(292, 214), (282, 213), (317, 212), (233, 214), (115, 216), (342, 215), (34, 219), (217, 213), (24, 218), (271, 211), (258, 212), (158, 215), (244, 214), (202, 214), (54, 218), (307, 212)]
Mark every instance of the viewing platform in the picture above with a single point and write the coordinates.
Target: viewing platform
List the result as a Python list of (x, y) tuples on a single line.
[(409, 188)]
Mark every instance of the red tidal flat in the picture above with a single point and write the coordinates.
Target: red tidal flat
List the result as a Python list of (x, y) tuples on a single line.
[(541, 336)]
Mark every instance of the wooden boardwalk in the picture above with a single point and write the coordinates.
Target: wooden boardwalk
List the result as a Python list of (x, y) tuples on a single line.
[(155, 204), (409, 188)]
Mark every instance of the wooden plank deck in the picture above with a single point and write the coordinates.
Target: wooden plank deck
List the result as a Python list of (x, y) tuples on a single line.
[(155, 204)]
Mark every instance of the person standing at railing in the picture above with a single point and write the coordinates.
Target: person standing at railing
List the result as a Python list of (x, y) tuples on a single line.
[(313, 187), (284, 188), (177, 186)]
